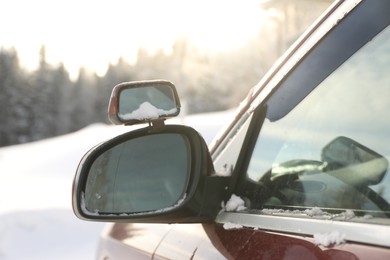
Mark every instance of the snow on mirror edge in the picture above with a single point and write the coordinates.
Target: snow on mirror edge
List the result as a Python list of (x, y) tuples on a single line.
[(147, 111), (96, 212)]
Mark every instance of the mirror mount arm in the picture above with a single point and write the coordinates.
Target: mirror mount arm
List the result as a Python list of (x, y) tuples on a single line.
[(157, 123)]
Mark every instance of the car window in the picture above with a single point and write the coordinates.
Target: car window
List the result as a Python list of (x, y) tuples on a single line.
[(331, 149)]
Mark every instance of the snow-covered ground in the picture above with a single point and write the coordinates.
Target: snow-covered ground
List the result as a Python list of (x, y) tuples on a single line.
[(36, 220)]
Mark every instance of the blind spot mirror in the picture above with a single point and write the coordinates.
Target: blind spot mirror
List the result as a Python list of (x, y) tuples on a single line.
[(143, 101)]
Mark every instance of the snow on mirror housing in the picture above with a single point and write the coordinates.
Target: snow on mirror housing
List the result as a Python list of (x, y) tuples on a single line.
[(149, 175), (143, 101)]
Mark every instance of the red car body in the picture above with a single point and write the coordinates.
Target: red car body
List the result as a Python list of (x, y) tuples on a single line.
[(212, 241)]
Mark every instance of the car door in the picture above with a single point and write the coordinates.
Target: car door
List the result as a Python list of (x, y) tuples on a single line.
[(310, 157)]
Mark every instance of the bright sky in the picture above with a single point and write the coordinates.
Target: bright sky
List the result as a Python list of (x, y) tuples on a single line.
[(94, 33)]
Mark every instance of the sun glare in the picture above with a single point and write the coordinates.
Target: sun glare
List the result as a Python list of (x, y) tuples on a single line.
[(225, 25), (93, 34), (211, 25)]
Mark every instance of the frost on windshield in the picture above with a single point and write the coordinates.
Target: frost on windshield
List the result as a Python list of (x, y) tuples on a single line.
[(147, 111)]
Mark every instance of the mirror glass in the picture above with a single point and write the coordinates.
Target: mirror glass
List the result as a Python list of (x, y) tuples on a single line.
[(344, 151), (147, 102), (148, 173), (368, 166)]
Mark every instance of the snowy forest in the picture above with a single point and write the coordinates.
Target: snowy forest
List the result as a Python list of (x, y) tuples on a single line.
[(47, 102)]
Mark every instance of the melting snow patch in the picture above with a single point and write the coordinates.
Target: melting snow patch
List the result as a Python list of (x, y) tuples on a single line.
[(315, 212), (329, 239), (367, 216), (273, 211), (348, 214), (229, 225), (235, 203)]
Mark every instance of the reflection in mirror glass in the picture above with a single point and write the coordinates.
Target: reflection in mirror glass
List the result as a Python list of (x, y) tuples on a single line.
[(147, 173), (149, 102)]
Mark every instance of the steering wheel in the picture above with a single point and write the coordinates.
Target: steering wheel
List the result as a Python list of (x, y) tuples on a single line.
[(281, 176)]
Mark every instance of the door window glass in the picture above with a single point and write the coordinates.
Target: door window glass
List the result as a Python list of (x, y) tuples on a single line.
[(332, 149)]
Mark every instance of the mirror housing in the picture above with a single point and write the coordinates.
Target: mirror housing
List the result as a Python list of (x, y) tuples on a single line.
[(197, 194), (142, 102)]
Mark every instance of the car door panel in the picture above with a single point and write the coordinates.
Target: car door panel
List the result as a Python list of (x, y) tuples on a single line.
[(249, 243), (131, 241), (187, 241)]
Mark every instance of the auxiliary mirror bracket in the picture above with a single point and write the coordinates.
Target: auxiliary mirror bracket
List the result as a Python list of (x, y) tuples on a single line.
[(157, 123)]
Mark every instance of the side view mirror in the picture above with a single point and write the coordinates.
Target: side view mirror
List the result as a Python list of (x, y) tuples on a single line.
[(143, 101), (149, 176), (157, 174)]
